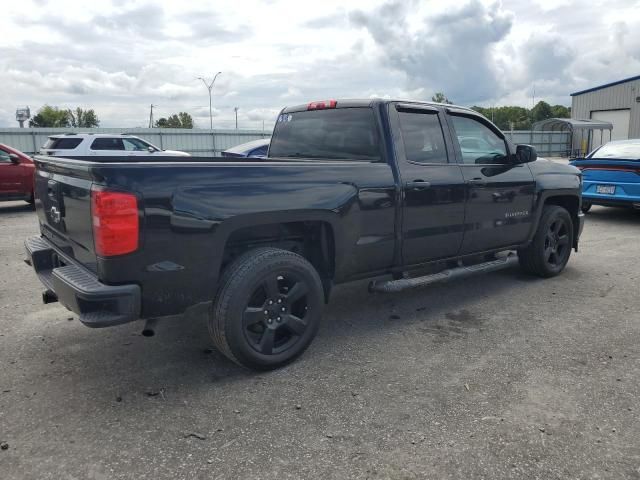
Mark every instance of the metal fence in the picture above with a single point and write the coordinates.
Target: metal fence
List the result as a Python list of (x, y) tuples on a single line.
[(550, 144), (209, 143), (198, 142)]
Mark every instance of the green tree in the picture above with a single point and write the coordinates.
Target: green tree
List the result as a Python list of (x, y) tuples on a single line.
[(180, 120), (49, 116), (560, 111), (440, 97), (541, 111), (83, 118), (507, 117)]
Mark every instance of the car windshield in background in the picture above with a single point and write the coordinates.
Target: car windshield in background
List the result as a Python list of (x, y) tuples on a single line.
[(62, 143), (341, 134), (626, 150)]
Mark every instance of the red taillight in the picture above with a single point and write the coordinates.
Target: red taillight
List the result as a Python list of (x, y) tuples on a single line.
[(115, 222), (322, 105)]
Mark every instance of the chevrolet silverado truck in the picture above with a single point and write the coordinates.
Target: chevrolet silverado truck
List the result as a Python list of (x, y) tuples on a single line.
[(404, 193)]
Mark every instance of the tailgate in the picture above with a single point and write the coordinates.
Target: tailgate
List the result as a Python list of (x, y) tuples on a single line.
[(63, 205)]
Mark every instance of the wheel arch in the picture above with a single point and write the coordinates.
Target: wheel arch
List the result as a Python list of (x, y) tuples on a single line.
[(314, 240), (570, 201)]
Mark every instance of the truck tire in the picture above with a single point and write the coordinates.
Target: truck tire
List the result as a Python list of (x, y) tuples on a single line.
[(549, 252), (268, 308), (586, 206)]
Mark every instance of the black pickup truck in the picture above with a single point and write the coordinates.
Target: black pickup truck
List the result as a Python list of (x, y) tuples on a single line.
[(402, 192)]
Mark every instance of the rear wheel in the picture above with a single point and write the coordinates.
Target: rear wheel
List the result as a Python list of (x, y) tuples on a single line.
[(548, 253), (268, 308), (586, 206)]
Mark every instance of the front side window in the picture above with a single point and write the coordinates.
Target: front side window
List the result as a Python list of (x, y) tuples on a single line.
[(478, 143), (107, 144), (334, 134), (4, 157), (135, 145), (260, 151), (422, 137)]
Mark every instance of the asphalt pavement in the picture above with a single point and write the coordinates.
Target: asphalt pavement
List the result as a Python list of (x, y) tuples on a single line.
[(496, 376)]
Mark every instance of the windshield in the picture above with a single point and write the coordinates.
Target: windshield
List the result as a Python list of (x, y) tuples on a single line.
[(626, 150), (343, 133)]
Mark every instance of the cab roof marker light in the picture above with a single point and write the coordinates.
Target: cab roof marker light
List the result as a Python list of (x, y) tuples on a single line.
[(322, 104)]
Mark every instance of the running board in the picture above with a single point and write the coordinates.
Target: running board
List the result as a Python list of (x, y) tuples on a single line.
[(392, 286)]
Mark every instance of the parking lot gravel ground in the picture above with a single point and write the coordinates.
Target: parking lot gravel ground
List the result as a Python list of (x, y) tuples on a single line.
[(495, 376)]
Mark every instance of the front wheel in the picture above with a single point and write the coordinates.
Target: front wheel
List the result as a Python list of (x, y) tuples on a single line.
[(548, 253), (268, 308)]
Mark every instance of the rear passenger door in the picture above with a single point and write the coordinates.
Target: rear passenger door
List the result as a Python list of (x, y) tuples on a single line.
[(433, 186), (499, 192)]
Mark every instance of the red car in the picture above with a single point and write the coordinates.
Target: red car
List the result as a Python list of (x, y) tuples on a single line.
[(16, 175)]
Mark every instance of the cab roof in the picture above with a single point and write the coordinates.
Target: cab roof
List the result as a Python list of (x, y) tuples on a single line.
[(372, 102)]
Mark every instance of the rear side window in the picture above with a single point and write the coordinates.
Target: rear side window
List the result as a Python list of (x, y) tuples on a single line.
[(107, 144), (422, 137), (340, 134), (62, 143)]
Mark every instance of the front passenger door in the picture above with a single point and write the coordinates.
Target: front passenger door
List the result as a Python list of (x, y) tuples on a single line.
[(499, 205)]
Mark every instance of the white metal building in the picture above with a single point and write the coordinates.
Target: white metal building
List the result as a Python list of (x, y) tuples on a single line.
[(616, 102)]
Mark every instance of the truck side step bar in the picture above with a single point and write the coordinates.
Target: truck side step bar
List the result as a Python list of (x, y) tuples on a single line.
[(392, 286)]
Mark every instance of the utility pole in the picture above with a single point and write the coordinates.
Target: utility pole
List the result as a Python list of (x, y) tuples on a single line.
[(210, 88), (151, 116), (236, 110)]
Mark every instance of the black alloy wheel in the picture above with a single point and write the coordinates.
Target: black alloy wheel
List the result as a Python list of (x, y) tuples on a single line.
[(275, 317), (268, 308), (557, 243)]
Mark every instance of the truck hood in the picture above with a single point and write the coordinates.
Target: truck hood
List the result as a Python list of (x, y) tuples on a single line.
[(544, 165), (175, 153)]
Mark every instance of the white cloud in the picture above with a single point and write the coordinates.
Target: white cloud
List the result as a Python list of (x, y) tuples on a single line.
[(119, 57)]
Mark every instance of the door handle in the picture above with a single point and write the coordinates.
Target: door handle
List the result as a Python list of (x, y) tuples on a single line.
[(418, 185), (477, 182)]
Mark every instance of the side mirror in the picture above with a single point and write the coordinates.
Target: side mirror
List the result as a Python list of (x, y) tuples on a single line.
[(526, 154), (151, 149), (14, 158)]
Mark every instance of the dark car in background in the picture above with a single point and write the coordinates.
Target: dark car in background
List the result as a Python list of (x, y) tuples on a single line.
[(254, 149), (16, 175), (611, 175)]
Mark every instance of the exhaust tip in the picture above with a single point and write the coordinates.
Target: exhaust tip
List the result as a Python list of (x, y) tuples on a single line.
[(49, 296), (148, 332), (149, 329)]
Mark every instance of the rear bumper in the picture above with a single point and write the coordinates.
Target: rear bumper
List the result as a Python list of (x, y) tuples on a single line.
[(78, 289), (626, 193), (612, 200)]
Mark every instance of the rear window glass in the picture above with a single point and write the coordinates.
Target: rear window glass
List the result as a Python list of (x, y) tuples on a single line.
[(630, 151), (340, 134), (62, 143)]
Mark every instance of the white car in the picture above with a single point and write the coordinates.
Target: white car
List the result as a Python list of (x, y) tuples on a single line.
[(102, 145)]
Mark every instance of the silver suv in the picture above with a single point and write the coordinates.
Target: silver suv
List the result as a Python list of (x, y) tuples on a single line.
[(103, 145)]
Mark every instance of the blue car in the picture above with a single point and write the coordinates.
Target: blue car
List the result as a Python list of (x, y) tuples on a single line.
[(253, 149), (611, 175)]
